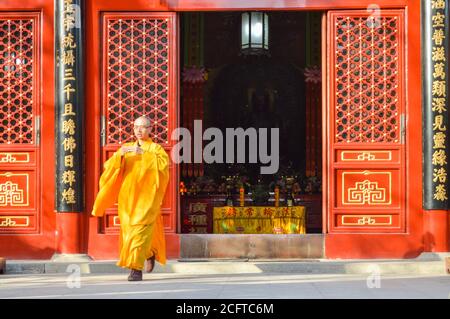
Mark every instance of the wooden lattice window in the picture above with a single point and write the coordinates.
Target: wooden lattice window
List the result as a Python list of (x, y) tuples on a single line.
[(17, 93), (137, 74), (366, 64)]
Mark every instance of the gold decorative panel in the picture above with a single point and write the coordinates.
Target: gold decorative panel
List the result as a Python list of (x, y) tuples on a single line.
[(14, 158), (366, 156), (366, 188), (14, 221), (14, 189), (366, 220)]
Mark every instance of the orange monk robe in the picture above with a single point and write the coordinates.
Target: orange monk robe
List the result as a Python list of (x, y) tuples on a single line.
[(138, 184)]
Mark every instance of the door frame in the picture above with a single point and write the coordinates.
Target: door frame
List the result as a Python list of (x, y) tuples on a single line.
[(345, 245)]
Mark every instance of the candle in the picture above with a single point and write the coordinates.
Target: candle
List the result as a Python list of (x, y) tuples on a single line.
[(241, 196), (182, 188), (277, 196)]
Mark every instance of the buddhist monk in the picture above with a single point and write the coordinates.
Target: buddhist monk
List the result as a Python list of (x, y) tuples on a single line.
[(135, 177)]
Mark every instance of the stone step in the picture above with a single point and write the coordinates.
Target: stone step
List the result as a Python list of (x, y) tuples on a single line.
[(233, 266), (255, 246)]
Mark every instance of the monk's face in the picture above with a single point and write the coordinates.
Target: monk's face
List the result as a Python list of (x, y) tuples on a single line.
[(142, 129)]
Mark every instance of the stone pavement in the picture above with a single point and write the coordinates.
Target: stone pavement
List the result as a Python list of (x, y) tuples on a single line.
[(76, 277), (221, 286), (425, 264)]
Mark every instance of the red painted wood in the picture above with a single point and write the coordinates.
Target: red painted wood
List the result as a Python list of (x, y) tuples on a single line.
[(140, 87), (37, 239), (371, 187), (405, 240), (69, 232), (223, 5), (436, 230), (324, 121), (367, 246), (409, 243), (338, 245), (102, 241), (172, 245)]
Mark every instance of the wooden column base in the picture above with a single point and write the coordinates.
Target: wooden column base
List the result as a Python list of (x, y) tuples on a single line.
[(436, 231), (69, 233)]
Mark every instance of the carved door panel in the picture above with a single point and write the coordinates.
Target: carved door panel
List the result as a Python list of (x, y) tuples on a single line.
[(19, 123), (27, 220), (366, 122), (139, 78)]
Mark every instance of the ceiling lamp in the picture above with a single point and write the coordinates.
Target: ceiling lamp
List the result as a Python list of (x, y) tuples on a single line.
[(255, 33)]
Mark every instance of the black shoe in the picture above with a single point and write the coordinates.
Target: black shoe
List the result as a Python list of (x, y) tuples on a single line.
[(135, 275), (150, 264)]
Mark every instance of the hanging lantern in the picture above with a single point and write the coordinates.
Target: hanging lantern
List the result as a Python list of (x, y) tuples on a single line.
[(255, 33)]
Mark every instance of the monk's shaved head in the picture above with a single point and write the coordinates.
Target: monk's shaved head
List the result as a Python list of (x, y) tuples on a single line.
[(142, 128), (143, 120)]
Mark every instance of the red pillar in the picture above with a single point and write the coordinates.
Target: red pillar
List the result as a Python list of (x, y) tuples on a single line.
[(69, 233), (436, 230)]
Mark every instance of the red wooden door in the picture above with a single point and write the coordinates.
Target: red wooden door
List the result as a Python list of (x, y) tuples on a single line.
[(366, 122), (26, 217), (138, 68), (138, 77)]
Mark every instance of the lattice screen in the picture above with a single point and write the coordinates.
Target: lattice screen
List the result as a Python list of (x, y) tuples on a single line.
[(137, 76), (367, 79), (16, 80)]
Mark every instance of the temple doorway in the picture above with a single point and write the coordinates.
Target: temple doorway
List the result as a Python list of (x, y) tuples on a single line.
[(276, 85)]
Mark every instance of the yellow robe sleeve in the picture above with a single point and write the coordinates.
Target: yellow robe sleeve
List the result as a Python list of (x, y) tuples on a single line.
[(109, 185), (158, 246), (162, 166)]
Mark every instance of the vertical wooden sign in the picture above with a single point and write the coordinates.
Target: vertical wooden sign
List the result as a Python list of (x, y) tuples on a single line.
[(69, 105), (435, 103)]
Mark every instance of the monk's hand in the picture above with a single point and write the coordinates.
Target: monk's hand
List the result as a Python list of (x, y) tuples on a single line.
[(139, 150), (125, 149)]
